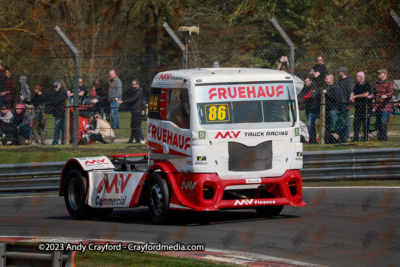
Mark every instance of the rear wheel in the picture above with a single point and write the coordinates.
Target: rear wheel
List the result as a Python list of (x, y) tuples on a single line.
[(158, 198), (75, 198)]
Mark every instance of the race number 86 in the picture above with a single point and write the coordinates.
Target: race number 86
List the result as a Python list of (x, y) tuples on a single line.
[(217, 113)]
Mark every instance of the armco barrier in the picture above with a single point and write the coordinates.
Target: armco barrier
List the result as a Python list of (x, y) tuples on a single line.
[(29, 255), (380, 164)]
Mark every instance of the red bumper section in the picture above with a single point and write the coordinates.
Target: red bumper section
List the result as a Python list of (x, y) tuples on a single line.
[(207, 192)]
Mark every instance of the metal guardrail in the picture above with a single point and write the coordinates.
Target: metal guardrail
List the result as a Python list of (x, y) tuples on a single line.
[(29, 255), (357, 164)]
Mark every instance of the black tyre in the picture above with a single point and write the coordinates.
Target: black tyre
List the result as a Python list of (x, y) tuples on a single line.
[(75, 198), (75, 195), (268, 211), (158, 198)]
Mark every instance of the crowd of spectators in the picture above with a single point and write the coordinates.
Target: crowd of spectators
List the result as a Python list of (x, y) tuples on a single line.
[(322, 96), (23, 118)]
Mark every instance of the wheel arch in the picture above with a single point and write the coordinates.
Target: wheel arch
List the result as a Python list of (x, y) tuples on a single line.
[(71, 164)]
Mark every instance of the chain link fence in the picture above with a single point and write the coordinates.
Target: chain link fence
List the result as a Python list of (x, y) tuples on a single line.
[(39, 121)]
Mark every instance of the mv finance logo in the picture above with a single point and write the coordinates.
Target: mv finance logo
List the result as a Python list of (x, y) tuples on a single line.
[(245, 202), (164, 76)]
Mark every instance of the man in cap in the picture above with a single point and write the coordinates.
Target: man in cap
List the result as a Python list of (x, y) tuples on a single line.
[(382, 96), (345, 85), (58, 105)]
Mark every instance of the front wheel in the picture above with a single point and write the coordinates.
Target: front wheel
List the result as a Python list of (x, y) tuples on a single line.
[(269, 211), (158, 198)]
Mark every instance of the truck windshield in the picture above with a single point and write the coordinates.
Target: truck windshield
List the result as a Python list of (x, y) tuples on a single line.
[(248, 103)]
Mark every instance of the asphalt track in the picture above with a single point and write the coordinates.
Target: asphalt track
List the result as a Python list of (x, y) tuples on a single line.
[(339, 227)]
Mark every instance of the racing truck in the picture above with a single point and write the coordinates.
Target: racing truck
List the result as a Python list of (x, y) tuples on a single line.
[(217, 138)]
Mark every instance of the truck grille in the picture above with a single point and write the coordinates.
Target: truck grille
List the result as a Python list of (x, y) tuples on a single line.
[(244, 158)]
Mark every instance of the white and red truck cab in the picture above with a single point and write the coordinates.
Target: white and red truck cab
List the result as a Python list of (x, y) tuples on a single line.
[(219, 138)]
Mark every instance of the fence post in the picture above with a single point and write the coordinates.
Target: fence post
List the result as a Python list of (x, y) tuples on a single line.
[(3, 254), (288, 41), (395, 17), (76, 84), (179, 43), (67, 123)]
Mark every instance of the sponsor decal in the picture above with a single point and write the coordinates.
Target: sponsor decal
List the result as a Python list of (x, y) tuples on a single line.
[(95, 161), (262, 134), (111, 201), (164, 76), (247, 202), (230, 134), (201, 160), (168, 76), (202, 134), (118, 183), (253, 181), (243, 202), (235, 92), (188, 185), (297, 131), (167, 137)]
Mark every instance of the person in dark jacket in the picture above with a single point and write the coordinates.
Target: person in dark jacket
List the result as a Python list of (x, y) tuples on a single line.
[(39, 121), (136, 104), (332, 104), (312, 98), (22, 123), (345, 85), (58, 112)]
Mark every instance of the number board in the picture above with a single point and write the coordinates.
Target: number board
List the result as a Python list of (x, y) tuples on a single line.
[(154, 103), (217, 113)]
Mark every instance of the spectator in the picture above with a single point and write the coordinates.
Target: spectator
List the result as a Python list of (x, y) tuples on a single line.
[(103, 132), (25, 93), (319, 80), (2, 79), (283, 64), (332, 105), (311, 74), (345, 85), (382, 96), (359, 96), (22, 123), (136, 104), (39, 121), (312, 98), (101, 101), (6, 118), (320, 67), (6, 115), (82, 93), (115, 95), (58, 112), (92, 99), (9, 89)]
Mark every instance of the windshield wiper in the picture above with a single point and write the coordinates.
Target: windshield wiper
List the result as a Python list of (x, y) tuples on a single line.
[(291, 107)]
